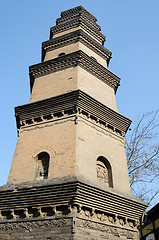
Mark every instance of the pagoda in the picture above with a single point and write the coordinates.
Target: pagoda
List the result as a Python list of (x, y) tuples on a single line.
[(69, 177)]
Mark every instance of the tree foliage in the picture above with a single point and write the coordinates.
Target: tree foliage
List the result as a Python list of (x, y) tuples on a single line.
[(142, 150)]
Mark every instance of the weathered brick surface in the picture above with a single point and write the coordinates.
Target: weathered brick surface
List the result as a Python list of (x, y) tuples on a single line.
[(58, 139), (54, 84), (42, 233), (93, 142), (96, 88), (66, 31), (66, 229), (73, 148), (72, 79), (72, 48)]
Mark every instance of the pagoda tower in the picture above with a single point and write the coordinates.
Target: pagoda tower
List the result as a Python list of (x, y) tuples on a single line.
[(69, 177)]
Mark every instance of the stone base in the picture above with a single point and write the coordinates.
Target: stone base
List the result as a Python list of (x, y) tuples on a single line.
[(66, 228), (67, 209)]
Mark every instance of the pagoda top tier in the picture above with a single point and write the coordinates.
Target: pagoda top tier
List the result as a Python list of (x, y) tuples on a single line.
[(78, 10), (78, 17)]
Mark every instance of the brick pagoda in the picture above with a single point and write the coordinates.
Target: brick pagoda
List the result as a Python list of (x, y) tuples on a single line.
[(69, 177)]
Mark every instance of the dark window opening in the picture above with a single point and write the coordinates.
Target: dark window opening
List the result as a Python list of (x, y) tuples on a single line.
[(61, 54), (42, 165)]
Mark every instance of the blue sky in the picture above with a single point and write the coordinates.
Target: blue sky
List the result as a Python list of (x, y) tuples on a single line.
[(132, 32)]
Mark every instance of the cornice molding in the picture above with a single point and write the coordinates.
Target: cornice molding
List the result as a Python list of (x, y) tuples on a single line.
[(78, 15), (68, 194), (78, 9), (78, 21), (78, 58), (73, 37), (52, 216), (75, 102)]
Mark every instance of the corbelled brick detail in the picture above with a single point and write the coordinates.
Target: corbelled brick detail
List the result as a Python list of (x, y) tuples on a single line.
[(78, 58), (73, 37), (78, 18), (67, 104)]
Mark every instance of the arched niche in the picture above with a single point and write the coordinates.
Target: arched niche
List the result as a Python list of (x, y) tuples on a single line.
[(62, 54), (104, 171), (42, 165)]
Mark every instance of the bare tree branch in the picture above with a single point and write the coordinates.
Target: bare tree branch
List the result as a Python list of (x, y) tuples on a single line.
[(142, 150)]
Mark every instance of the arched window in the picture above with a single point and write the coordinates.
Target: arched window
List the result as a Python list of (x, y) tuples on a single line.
[(42, 165), (61, 54), (104, 172)]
